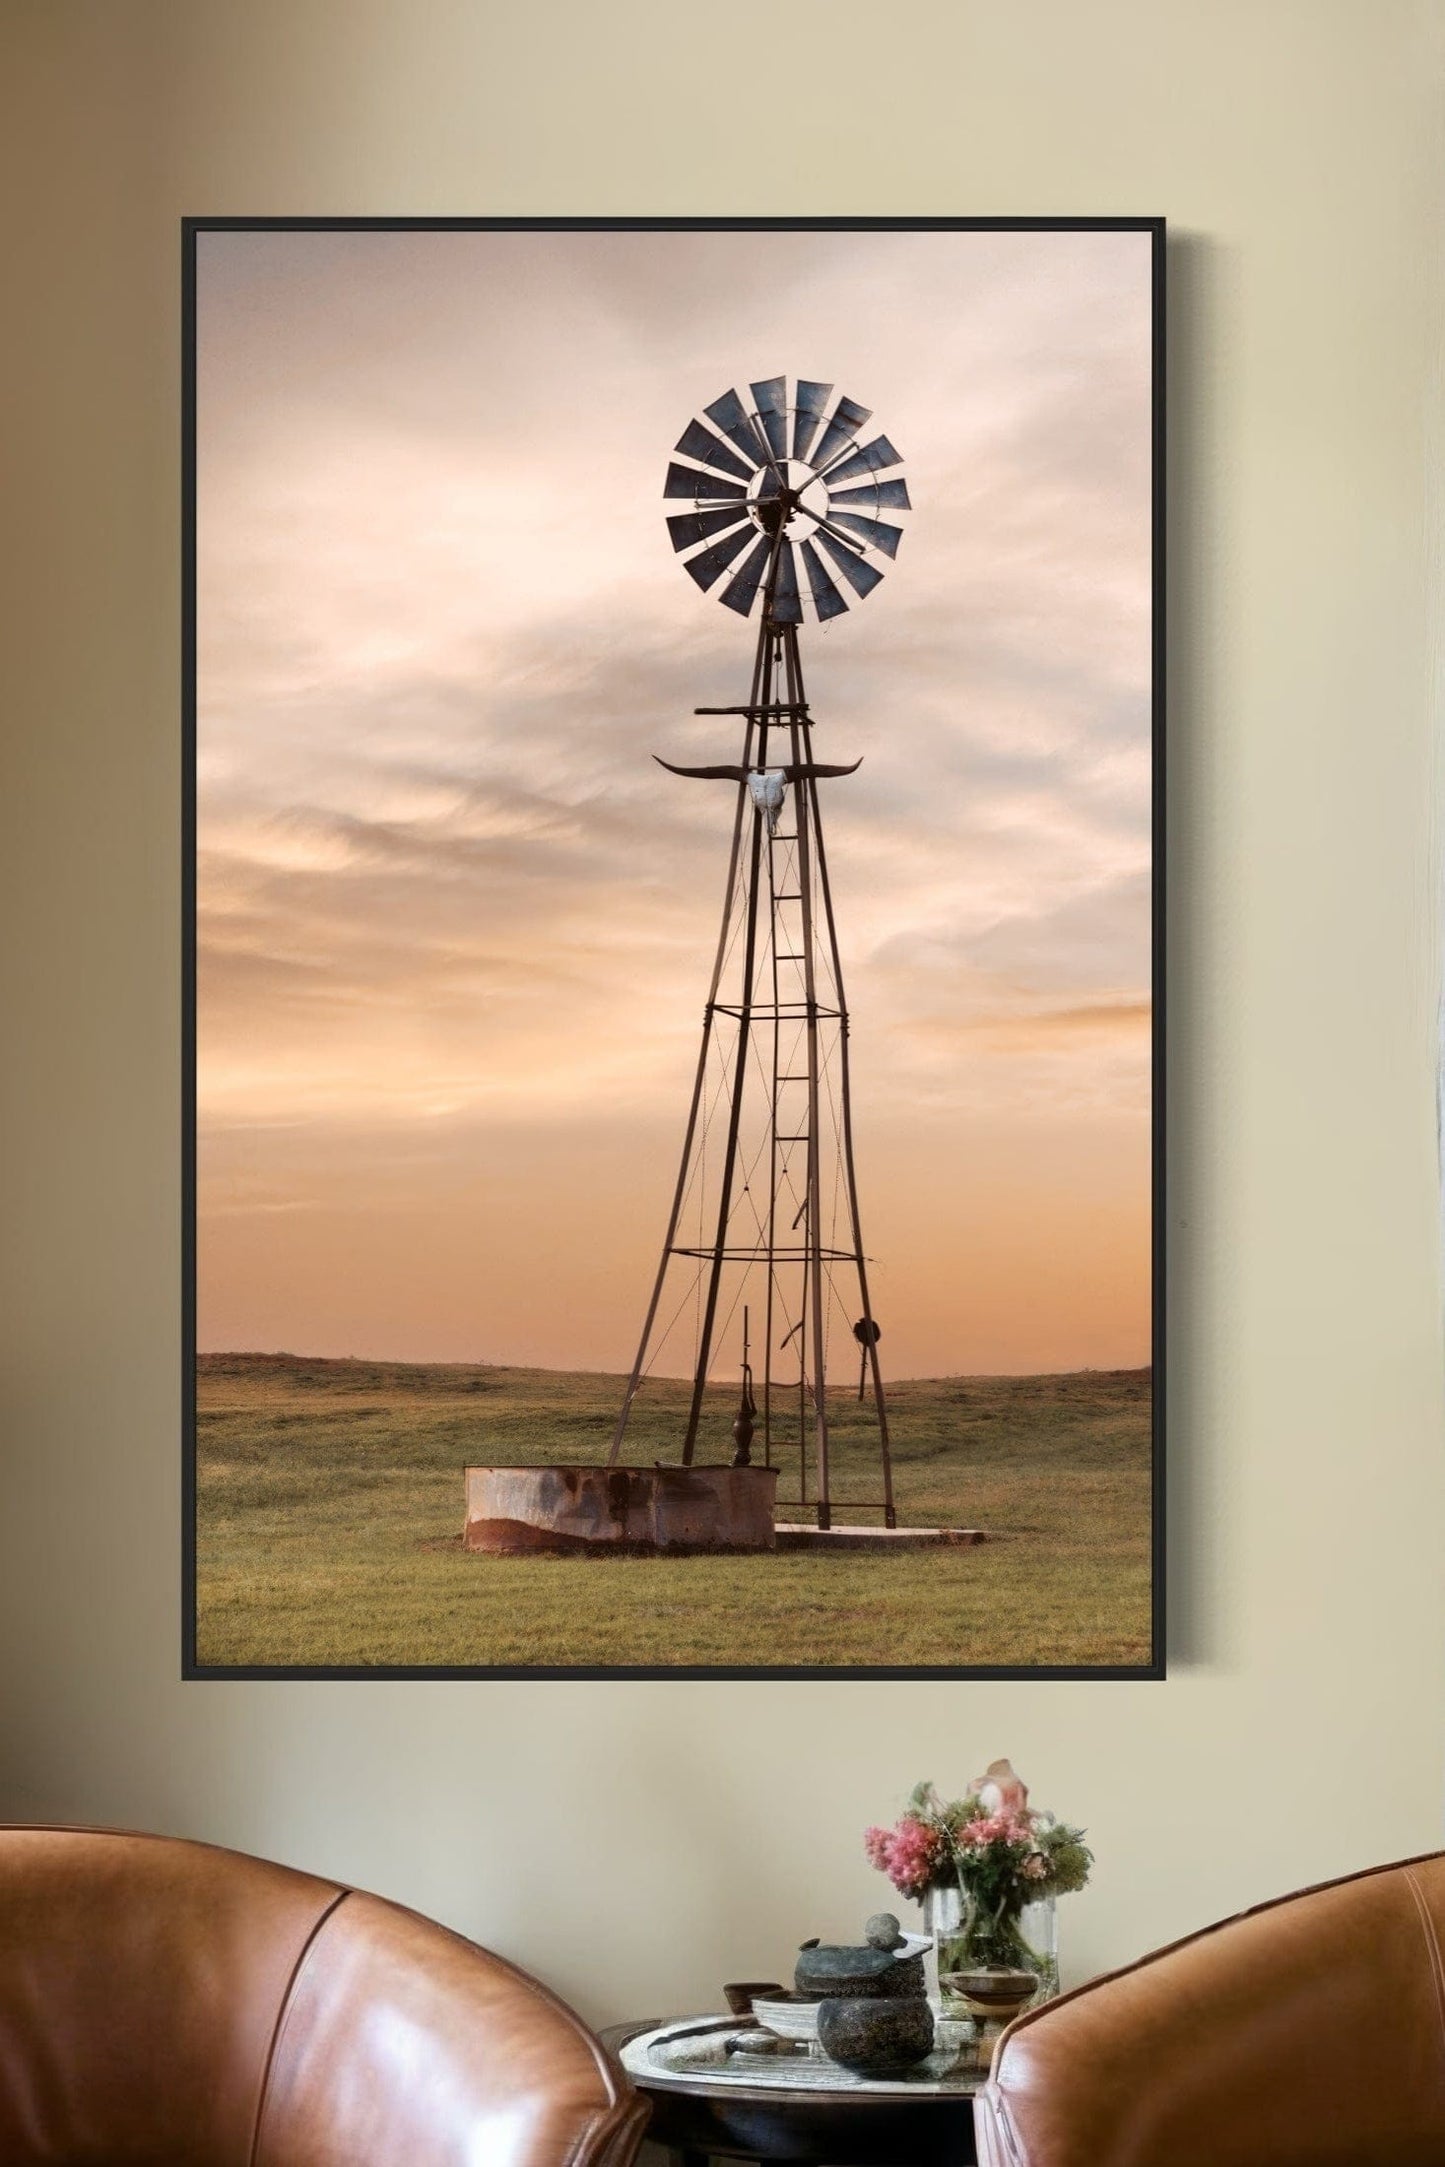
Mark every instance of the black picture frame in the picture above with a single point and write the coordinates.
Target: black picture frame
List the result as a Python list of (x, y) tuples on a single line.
[(192, 1669)]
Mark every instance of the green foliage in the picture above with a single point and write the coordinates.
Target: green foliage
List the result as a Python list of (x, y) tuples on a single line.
[(1069, 1859), (330, 1503), (949, 1814)]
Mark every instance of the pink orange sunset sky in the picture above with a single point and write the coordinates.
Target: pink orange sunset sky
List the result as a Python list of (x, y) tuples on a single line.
[(455, 926)]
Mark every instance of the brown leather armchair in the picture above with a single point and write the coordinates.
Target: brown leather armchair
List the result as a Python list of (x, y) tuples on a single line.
[(1306, 2033), (166, 2004)]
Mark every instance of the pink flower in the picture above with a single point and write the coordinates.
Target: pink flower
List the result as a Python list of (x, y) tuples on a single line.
[(913, 1855), (996, 1828), (999, 1790), (1035, 1866)]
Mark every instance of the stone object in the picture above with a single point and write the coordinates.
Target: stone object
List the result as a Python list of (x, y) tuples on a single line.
[(867, 1972), (600, 1511), (754, 2042), (882, 1931), (876, 2038)]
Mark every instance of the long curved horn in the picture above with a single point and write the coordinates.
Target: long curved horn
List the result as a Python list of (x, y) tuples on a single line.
[(705, 774), (807, 771)]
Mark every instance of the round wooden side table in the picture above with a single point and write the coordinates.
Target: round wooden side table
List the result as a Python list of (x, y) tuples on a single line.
[(697, 2118)]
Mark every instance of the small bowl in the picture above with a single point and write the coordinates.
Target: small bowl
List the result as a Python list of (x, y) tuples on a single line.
[(740, 1992), (994, 1994), (787, 2017)]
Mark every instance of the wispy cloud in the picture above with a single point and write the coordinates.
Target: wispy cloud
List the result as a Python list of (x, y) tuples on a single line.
[(448, 902)]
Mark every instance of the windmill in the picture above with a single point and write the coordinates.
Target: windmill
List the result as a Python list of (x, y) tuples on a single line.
[(765, 1225)]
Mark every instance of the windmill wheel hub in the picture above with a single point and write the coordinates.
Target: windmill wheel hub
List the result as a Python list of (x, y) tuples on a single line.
[(778, 511), (771, 513), (776, 507)]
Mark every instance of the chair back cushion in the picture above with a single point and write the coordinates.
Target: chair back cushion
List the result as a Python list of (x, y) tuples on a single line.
[(1305, 2032), (399, 2036), (167, 2004)]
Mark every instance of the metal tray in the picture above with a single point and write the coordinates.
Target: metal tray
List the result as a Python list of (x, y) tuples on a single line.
[(693, 2050)]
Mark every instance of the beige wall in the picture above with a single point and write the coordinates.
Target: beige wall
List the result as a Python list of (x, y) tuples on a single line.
[(638, 1843)]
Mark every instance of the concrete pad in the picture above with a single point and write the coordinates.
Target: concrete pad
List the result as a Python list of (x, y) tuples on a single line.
[(794, 1536)]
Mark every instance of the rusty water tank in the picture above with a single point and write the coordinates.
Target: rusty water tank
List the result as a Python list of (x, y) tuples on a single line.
[(515, 1511)]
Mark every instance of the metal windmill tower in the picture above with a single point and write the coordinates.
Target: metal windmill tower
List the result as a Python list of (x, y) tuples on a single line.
[(765, 1229)]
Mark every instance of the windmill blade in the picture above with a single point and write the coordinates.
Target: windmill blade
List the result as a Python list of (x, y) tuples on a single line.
[(811, 770), (826, 599), (868, 459), (873, 531), (741, 591), (848, 419), (830, 526), (708, 566), (771, 400), (689, 528), (808, 418), (878, 496), (710, 451), (730, 415), (861, 576), (787, 607), (705, 774), (701, 488)]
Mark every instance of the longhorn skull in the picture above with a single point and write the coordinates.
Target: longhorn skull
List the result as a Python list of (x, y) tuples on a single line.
[(767, 786)]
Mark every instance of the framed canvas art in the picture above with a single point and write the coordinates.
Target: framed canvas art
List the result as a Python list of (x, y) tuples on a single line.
[(674, 852)]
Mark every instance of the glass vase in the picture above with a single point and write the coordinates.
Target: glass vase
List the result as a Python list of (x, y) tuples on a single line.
[(965, 1939), (1038, 1932), (943, 1918)]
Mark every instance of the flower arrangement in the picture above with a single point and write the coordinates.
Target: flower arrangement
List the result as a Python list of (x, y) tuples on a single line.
[(997, 1852)]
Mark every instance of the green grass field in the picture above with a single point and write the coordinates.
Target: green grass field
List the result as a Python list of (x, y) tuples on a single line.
[(329, 1507)]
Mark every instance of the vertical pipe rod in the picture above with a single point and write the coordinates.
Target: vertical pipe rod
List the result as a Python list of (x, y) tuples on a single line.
[(740, 1069), (845, 1114), (699, 1080), (805, 802)]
